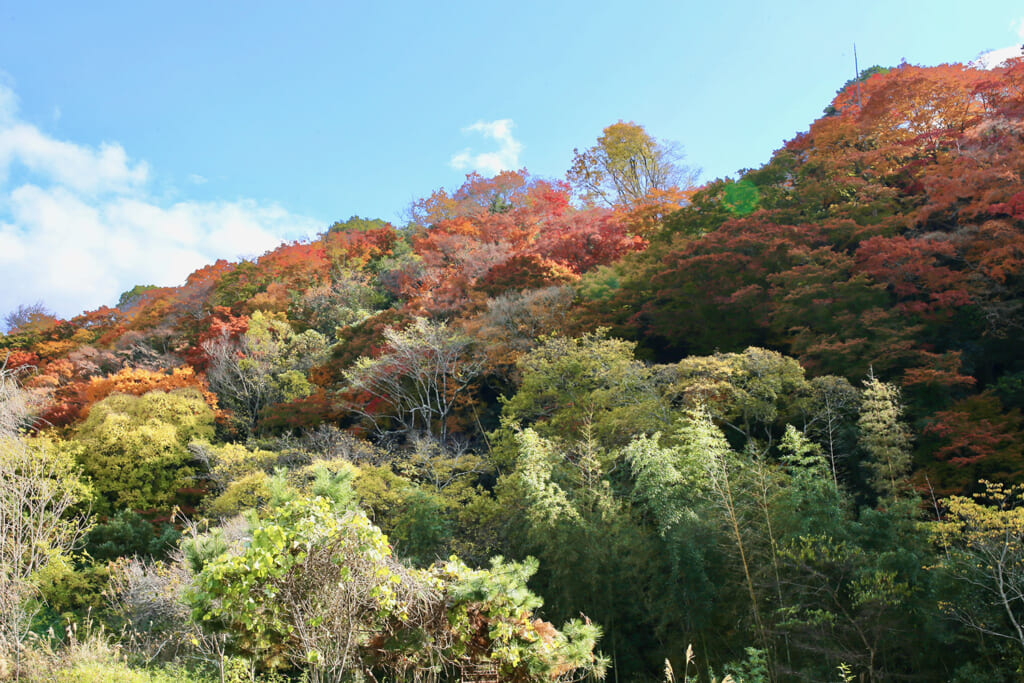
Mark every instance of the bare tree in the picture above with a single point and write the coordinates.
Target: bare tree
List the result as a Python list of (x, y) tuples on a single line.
[(418, 379), (38, 489), (27, 317), (833, 404)]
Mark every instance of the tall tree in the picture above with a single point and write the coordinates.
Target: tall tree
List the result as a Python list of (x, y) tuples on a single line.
[(884, 438), (627, 165)]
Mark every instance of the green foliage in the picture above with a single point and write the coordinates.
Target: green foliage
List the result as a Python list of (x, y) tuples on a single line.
[(884, 438), (253, 594), (668, 480), (128, 533), (241, 283), (248, 492), (982, 556), (422, 531), (741, 197), (267, 365), (753, 393), (430, 504), (90, 658), (856, 583), (39, 526), (133, 296), (358, 224), (69, 590), (754, 669), (349, 299), (116, 670), (590, 541), (226, 463), (495, 603), (134, 448), (589, 383), (317, 587)]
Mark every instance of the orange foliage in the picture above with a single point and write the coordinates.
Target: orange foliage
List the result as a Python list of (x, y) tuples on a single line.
[(355, 249), (275, 299), (15, 359), (300, 265), (137, 382), (978, 429), (645, 217)]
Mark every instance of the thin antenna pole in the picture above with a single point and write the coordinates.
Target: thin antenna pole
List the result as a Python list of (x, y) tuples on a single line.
[(856, 76)]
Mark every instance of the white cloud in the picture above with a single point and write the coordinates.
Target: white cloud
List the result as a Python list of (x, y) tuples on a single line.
[(92, 171), (490, 163), (82, 228), (994, 58)]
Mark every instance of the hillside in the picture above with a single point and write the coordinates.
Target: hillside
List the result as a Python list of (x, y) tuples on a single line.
[(748, 416)]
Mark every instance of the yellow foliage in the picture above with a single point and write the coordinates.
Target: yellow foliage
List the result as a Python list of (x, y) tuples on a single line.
[(54, 349), (136, 382)]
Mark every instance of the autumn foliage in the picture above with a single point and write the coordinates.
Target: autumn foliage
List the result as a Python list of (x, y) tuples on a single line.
[(885, 238)]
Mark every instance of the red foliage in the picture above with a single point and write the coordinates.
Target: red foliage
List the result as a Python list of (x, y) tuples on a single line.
[(299, 265), (303, 413), (977, 429), (1013, 207), (584, 240), (355, 249), (506, 231), (221, 323), (526, 271), (918, 271)]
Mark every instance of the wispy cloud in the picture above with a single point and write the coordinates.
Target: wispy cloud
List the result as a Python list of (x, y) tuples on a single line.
[(506, 158), (78, 224)]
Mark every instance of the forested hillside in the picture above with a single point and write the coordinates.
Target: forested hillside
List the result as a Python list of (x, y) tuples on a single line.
[(769, 427)]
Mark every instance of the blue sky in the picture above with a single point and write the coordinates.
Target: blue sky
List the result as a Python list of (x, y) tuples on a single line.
[(139, 141)]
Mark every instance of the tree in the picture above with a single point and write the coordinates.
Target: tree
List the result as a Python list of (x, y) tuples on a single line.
[(416, 381), (135, 448), (265, 365), (317, 587), (29, 318), (703, 441), (627, 165), (589, 384), (983, 540), (514, 322), (39, 488), (884, 438), (594, 556), (829, 414), (752, 393), (312, 588)]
